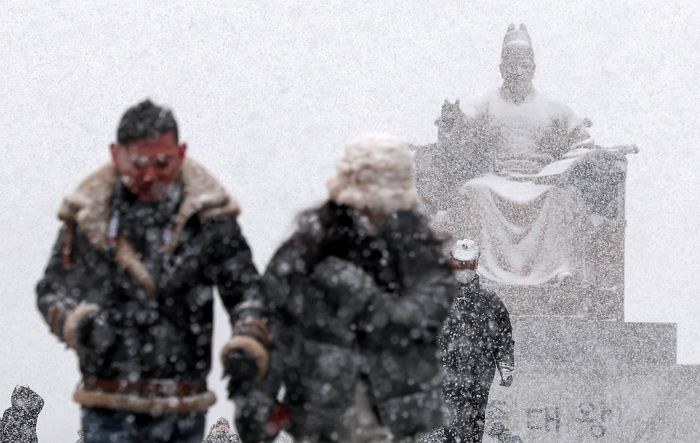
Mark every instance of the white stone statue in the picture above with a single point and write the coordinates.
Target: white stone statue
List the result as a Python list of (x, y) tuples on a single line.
[(511, 168)]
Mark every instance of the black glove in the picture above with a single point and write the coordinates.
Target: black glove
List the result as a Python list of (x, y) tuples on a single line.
[(242, 370), (259, 417), (347, 285), (85, 328), (95, 333), (378, 313)]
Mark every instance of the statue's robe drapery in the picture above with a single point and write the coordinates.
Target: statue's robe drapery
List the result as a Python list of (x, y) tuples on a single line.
[(520, 208)]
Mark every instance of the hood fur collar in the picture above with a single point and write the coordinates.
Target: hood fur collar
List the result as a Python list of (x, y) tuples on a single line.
[(88, 208), (89, 205)]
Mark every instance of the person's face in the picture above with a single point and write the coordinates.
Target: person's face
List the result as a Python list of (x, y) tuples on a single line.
[(518, 66), (371, 219), (457, 265), (148, 167)]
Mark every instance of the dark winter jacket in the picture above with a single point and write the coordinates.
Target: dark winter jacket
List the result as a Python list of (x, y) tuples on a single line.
[(150, 295), (476, 335), (18, 423), (352, 305)]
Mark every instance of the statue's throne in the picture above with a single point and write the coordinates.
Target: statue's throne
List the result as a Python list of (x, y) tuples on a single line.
[(442, 167), (583, 373), (600, 178)]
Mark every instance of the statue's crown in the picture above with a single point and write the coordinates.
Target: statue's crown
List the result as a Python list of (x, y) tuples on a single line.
[(517, 36)]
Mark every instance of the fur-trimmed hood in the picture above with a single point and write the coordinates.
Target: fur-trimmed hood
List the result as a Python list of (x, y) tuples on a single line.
[(376, 171)]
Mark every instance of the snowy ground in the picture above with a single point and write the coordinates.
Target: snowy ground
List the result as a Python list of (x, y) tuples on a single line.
[(266, 93)]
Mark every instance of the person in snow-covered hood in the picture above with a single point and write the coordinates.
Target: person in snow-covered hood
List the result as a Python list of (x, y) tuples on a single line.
[(129, 287), (18, 423), (359, 294), (221, 432), (476, 341)]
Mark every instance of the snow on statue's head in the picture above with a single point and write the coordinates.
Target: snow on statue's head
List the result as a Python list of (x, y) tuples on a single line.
[(376, 173), (517, 56)]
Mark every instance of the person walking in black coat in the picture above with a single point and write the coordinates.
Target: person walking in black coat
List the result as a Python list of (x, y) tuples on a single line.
[(476, 341), (359, 294), (129, 287)]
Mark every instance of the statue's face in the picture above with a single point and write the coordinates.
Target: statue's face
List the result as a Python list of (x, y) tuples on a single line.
[(517, 65)]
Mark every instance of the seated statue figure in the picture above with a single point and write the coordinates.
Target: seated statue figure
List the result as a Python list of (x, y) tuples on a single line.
[(516, 174)]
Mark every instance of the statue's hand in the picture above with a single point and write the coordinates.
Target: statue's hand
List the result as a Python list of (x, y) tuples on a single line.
[(554, 140), (519, 166)]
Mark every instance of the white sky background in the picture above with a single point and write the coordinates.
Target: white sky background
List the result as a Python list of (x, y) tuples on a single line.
[(266, 93)]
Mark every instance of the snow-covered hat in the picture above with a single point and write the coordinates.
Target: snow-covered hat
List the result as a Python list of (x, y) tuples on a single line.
[(465, 250), (376, 172), (517, 38)]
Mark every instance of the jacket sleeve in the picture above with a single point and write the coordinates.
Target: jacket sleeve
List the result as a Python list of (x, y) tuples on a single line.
[(448, 335), (256, 409), (425, 303), (287, 288), (230, 267), (59, 298), (505, 345), (427, 288), (290, 268)]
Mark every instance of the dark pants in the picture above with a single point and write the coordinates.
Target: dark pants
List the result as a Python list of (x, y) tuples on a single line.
[(109, 426), (466, 405)]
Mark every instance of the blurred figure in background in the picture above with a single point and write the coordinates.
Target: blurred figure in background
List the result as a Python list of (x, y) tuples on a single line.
[(476, 341), (360, 292)]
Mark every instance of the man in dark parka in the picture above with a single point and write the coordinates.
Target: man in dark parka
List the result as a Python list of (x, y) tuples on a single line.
[(360, 292), (476, 341), (129, 286)]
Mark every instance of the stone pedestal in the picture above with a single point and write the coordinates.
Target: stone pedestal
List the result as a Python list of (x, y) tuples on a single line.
[(583, 373), (581, 379), (561, 301)]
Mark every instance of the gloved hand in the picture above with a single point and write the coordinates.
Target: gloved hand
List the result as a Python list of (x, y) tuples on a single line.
[(506, 371), (378, 313), (242, 370), (347, 285), (95, 333), (260, 417), (85, 328)]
